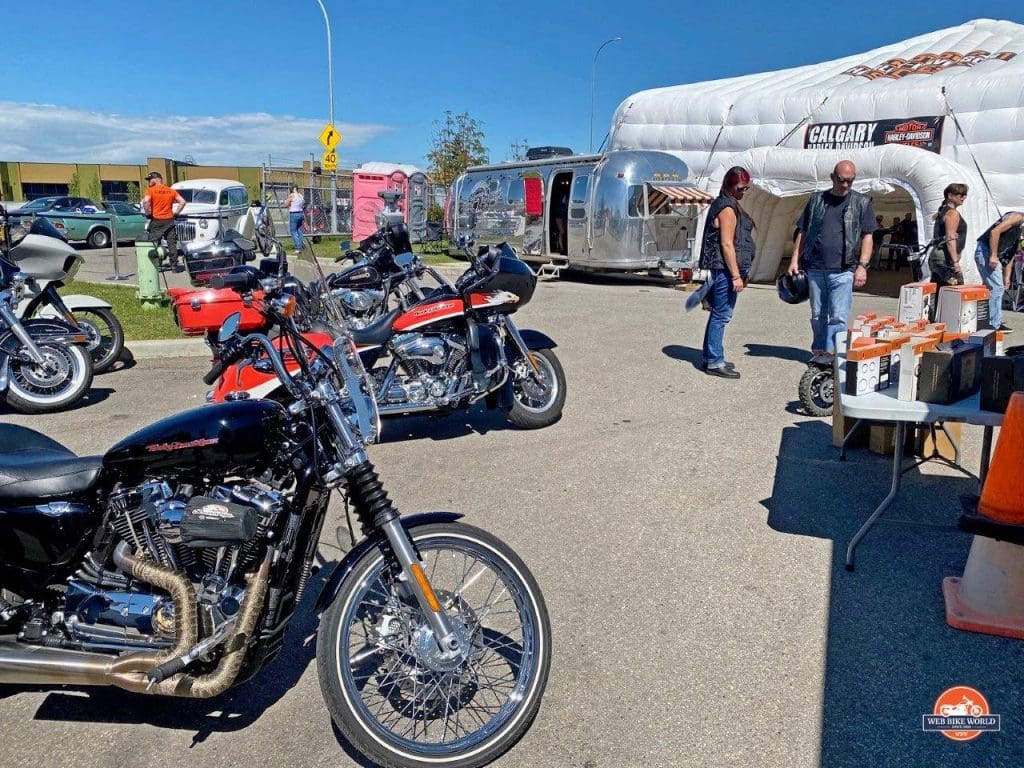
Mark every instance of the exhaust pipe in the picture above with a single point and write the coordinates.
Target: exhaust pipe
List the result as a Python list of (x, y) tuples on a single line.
[(38, 665)]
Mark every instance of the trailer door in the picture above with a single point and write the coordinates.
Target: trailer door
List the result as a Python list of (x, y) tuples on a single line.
[(579, 221)]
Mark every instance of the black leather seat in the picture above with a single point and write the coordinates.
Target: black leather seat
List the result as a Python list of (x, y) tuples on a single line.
[(32, 466), (377, 332)]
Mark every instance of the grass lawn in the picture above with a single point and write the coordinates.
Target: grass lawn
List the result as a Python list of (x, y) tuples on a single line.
[(138, 323), (330, 246)]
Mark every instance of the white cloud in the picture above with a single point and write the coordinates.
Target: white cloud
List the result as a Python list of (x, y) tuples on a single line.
[(48, 133)]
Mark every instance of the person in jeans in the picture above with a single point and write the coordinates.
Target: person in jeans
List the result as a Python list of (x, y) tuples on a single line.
[(834, 248), (944, 261), (296, 205), (996, 248), (727, 250), (162, 204)]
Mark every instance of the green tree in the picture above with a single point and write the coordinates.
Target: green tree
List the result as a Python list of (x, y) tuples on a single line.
[(458, 143)]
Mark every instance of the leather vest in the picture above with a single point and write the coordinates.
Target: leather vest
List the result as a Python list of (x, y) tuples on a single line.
[(1008, 240), (940, 257), (851, 225), (711, 256)]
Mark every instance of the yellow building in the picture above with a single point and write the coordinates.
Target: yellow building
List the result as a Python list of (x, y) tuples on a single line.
[(27, 181)]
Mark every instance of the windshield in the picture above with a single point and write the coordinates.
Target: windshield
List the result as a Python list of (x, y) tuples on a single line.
[(40, 204), (198, 195)]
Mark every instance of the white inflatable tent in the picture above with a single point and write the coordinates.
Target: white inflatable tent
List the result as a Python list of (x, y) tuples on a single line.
[(893, 111)]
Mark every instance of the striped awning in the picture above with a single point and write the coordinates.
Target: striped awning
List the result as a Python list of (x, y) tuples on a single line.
[(661, 194)]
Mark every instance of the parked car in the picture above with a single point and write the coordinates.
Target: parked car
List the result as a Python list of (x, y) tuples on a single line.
[(94, 228), (211, 206), (61, 203)]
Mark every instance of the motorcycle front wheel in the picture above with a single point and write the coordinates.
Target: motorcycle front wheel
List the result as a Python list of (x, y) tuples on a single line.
[(817, 390), (106, 336), (388, 690), (537, 400), (63, 379)]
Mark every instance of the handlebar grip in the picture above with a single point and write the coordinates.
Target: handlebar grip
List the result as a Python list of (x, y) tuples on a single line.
[(219, 366), (238, 281)]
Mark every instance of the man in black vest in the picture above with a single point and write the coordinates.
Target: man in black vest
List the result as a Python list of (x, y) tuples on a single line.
[(834, 247)]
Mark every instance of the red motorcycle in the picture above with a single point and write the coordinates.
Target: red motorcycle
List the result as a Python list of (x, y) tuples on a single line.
[(448, 351)]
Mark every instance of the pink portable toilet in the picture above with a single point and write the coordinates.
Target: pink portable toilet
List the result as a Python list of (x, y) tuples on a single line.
[(370, 178)]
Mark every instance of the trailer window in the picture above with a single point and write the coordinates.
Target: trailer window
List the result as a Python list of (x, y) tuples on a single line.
[(637, 203), (578, 198), (516, 191)]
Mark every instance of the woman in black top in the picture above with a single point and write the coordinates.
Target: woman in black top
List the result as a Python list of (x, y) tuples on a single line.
[(727, 250), (944, 261)]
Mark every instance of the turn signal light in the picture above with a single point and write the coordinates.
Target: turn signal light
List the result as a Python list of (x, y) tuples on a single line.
[(421, 579)]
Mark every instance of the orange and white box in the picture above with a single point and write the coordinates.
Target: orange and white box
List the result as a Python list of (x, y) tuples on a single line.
[(859, 320), (867, 368), (917, 301), (910, 365), (963, 308)]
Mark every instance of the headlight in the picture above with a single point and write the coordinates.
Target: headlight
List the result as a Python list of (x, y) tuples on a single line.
[(203, 223)]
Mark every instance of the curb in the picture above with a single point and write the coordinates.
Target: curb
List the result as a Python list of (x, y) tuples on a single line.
[(146, 350)]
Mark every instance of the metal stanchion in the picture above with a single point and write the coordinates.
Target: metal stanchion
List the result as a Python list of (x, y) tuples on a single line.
[(117, 276)]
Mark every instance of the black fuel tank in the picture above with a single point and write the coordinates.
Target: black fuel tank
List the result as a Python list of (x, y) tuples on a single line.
[(227, 438)]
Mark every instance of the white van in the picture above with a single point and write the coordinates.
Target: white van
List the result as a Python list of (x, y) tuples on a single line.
[(211, 205)]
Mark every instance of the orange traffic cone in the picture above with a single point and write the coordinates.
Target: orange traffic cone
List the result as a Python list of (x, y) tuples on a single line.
[(989, 597)]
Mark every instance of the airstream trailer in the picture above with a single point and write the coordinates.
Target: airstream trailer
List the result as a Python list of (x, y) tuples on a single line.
[(623, 211)]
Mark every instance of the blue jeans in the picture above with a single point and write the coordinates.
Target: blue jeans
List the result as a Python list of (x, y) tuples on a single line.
[(831, 295), (722, 299), (993, 280), (295, 219)]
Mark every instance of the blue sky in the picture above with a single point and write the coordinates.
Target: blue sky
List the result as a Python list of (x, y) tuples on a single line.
[(233, 81)]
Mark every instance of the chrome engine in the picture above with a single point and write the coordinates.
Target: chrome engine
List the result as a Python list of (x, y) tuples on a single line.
[(361, 307), (107, 609), (433, 369)]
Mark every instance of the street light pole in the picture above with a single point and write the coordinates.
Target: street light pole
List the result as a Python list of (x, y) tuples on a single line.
[(330, 110), (593, 87)]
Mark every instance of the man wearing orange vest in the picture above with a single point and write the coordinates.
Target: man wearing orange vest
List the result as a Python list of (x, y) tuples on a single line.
[(162, 204)]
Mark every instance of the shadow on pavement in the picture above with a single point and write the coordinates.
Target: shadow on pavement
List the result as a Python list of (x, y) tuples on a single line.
[(684, 354), (778, 352), (890, 653), (477, 420)]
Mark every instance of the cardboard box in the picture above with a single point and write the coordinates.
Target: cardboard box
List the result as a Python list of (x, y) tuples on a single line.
[(859, 320), (917, 302), (950, 372), (1000, 378), (910, 365), (963, 308), (867, 369)]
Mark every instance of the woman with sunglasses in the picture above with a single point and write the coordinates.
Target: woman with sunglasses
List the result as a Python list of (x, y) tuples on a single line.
[(727, 250), (944, 261)]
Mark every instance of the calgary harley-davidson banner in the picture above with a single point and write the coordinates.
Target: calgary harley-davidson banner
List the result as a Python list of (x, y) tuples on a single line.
[(921, 132)]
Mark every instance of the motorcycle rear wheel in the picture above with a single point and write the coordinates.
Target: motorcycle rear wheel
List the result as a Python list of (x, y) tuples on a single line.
[(817, 391), (33, 389), (392, 699), (106, 336), (537, 404)]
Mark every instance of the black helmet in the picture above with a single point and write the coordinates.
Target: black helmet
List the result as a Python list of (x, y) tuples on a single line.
[(792, 288)]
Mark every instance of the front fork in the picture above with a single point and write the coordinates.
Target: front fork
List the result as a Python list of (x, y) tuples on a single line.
[(8, 316), (520, 345), (375, 511)]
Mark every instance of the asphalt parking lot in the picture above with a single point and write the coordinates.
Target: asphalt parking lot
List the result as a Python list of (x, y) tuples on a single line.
[(688, 534)]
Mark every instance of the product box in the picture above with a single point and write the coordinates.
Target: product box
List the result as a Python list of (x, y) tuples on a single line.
[(859, 320), (867, 368), (963, 308), (910, 365), (917, 301), (950, 372), (1000, 378), (989, 340)]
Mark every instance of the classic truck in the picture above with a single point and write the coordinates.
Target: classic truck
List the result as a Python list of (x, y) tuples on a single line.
[(88, 221)]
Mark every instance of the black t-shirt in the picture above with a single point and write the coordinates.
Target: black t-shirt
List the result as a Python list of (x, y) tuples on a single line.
[(828, 250)]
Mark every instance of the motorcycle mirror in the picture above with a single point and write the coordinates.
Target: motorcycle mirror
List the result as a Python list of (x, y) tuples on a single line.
[(229, 328), (344, 245)]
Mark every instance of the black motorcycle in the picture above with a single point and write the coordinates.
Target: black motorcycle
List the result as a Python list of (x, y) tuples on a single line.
[(173, 564)]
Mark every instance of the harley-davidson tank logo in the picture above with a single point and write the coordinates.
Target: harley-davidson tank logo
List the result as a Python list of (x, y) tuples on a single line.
[(433, 309), (200, 443)]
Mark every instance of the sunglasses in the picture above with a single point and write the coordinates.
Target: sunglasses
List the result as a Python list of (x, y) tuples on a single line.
[(844, 180), (742, 189)]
